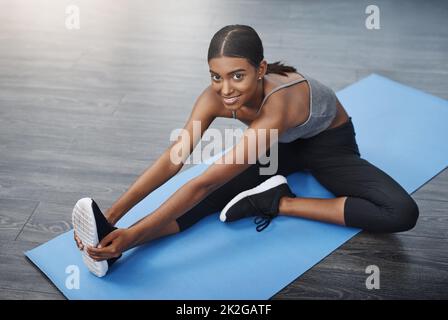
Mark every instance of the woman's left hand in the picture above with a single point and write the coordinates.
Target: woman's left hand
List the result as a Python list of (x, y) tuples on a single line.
[(112, 245)]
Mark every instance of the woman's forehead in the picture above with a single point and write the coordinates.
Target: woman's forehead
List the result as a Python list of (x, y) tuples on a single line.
[(228, 64)]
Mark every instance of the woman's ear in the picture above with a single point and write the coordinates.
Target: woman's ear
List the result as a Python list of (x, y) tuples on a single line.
[(262, 69)]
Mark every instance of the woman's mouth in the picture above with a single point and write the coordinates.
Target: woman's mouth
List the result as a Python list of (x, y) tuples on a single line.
[(231, 100)]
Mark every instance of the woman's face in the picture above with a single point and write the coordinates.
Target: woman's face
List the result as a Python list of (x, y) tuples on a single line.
[(235, 79)]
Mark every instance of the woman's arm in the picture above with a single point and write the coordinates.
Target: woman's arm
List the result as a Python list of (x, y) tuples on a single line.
[(164, 168), (195, 190), (185, 198), (153, 177), (223, 170)]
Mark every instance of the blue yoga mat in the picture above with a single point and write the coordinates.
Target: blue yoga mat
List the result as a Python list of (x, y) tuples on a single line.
[(399, 129)]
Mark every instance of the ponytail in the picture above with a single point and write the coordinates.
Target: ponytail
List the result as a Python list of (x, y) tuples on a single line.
[(279, 68)]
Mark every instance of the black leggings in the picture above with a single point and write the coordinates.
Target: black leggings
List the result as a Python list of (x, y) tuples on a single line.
[(375, 202)]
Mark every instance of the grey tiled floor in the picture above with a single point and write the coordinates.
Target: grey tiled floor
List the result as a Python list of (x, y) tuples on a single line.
[(84, 112)]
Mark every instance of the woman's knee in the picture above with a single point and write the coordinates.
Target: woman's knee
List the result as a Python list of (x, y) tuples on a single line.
[(405, 214), (388, 215)]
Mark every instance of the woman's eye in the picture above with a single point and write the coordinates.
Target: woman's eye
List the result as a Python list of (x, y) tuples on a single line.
[(237, 76)]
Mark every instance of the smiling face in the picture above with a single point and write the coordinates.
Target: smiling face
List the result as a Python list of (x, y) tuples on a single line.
[(235, 80)]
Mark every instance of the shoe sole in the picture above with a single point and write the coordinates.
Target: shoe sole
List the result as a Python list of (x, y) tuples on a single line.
[(84, 225), (266, 185)]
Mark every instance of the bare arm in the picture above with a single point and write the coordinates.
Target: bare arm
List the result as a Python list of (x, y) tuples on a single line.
[(153, 177), (215, 176), (194, 191), (164, 168)]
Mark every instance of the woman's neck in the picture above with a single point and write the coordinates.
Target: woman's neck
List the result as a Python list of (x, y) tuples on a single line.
[(255, 104)]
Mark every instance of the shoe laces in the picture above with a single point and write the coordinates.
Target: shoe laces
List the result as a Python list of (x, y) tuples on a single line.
[(262, 222)]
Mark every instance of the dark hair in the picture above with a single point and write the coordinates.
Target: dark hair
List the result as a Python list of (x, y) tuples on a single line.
[(242, 41)]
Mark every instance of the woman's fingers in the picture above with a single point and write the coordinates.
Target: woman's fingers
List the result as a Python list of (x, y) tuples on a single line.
[(102, 254), (106, 249), (97, 257), (78, 242)]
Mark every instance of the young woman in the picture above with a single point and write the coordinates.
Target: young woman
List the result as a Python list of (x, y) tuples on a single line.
[(315, 134)]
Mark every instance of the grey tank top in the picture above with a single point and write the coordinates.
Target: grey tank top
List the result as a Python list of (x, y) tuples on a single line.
[(322, 110)]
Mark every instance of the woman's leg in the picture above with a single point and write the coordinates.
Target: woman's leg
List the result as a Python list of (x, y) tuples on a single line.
[(327, 210), (366, 197), (169, 229), (217, 200), (213, 203), (287, 162)]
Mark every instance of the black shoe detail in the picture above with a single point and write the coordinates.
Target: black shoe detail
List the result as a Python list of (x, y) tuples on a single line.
[(103, 228), (262, 202)]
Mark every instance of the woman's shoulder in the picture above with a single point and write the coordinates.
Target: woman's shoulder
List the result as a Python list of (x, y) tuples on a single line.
[(292, 101), (287, 87)]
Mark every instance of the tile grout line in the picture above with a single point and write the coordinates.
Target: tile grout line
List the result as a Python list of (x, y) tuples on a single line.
[(27, 220)]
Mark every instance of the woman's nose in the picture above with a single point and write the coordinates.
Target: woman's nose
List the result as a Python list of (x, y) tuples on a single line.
[(226, 89)]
